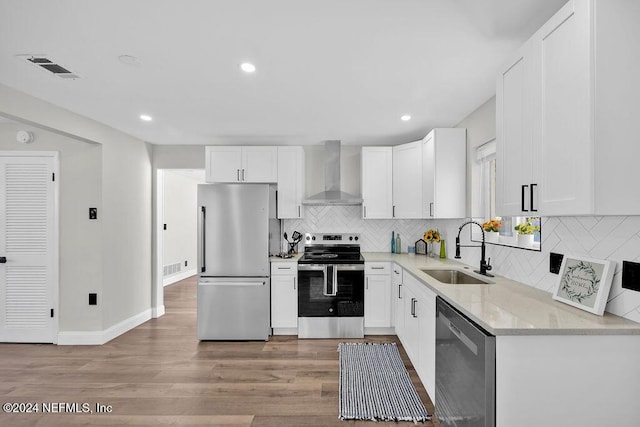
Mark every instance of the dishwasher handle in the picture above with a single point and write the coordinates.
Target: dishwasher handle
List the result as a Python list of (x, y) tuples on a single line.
[(461, 336)]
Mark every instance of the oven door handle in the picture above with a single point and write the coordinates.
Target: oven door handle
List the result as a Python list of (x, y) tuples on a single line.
[(330, 286), (311, 267)]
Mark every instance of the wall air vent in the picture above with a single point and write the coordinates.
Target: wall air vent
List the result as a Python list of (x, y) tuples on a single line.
[(42, 62)]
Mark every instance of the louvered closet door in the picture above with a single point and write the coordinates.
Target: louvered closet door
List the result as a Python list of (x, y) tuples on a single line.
[(27, 221)]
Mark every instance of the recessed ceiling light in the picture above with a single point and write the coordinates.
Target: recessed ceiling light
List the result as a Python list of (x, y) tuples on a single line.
[(146, 117), (405, 118), (248, 67)]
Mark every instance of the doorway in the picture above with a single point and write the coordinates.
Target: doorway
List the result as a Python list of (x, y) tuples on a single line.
[(176, 231)]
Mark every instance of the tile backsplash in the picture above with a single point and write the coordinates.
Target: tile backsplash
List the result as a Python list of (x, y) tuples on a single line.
[(615, 238)]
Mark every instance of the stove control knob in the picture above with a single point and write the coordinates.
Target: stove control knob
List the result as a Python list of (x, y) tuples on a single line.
[(356, 238), (308, 237), (313, 238), (350, 237), (331, 310)]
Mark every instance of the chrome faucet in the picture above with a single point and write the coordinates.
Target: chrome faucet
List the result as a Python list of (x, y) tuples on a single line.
[(484, 265)]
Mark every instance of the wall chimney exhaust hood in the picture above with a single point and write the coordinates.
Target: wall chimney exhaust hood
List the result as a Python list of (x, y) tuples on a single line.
[(332, 195)]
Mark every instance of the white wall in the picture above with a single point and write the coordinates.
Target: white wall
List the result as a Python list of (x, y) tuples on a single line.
[(481, 127), (126, 195), (180, 215), (80, 180), (124, 215)]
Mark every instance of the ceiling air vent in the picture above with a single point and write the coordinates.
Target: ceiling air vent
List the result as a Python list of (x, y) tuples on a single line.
[(41, 61)]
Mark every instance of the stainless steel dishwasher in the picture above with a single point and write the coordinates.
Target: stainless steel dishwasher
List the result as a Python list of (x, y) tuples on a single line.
[(465, 370)]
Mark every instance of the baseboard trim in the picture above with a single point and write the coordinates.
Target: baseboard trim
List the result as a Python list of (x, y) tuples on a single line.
[(379, 331), (157, 311), (103, 337), (285, 331), (170, 280)]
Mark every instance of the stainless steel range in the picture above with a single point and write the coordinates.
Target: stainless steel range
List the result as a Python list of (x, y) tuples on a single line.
[(331, 287)]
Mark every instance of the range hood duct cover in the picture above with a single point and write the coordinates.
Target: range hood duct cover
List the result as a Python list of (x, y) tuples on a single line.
[(332, 195)]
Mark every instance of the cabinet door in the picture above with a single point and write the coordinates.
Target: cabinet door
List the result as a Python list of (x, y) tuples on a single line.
[(399, 301), (428, 175), (426, 368), (411, 324), (562, 113), (377, 304), (259, 164), (290, 182), (407, 180), (376, 180), (284, 301), (450, 173), (223, 164), (396, 282), (514, 150)]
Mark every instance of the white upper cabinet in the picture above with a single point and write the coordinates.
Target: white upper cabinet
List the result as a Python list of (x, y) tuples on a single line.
[(407, 180), (444, 172), (566, 111), (513, 133), (241, 164), (377, 177), (290, 182), (562, 112)]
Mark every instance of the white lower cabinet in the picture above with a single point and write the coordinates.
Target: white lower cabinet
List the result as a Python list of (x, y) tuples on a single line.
[(377, 295), (284, 297), (418, 331)]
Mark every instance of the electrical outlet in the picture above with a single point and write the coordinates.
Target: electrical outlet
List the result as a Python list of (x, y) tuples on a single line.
[(93, 213), (93, 299), (555, 261), (631, 275)]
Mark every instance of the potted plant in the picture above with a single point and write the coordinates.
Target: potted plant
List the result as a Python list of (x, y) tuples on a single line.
[(525, 232), (492, 230)]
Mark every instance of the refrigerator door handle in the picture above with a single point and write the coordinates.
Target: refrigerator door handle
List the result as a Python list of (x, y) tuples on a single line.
[(203, 238)]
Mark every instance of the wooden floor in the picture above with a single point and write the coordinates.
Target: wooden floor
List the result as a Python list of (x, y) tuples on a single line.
[(159, 374)]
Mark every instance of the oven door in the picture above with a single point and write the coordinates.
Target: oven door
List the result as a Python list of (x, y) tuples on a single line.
[(330, 290)]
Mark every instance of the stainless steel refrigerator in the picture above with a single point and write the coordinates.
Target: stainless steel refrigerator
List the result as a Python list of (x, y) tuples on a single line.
[(235, 224)]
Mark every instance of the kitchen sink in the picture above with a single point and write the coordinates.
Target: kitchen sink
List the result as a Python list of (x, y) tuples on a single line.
[(455, 277)]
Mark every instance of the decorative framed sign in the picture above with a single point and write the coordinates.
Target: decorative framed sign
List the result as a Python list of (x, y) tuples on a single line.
[(584, 283)]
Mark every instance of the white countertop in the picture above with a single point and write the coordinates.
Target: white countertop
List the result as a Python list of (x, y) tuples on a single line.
[(294, 258), (507, 307)]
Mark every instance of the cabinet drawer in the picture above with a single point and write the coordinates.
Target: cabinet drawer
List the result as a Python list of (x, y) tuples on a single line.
[(284, 268), (377, 268)]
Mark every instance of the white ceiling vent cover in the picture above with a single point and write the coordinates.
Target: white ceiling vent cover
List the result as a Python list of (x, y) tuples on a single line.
[(48, 64)]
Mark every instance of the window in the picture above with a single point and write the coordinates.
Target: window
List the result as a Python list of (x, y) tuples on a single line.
[(484, 203)]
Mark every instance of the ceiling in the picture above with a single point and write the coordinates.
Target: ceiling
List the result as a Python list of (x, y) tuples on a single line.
[(326, 69)]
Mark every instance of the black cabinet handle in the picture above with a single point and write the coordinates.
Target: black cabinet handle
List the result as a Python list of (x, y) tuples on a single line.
[(431, 209), (393, 211), (531, 196), (3, 259), (524, 187)]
